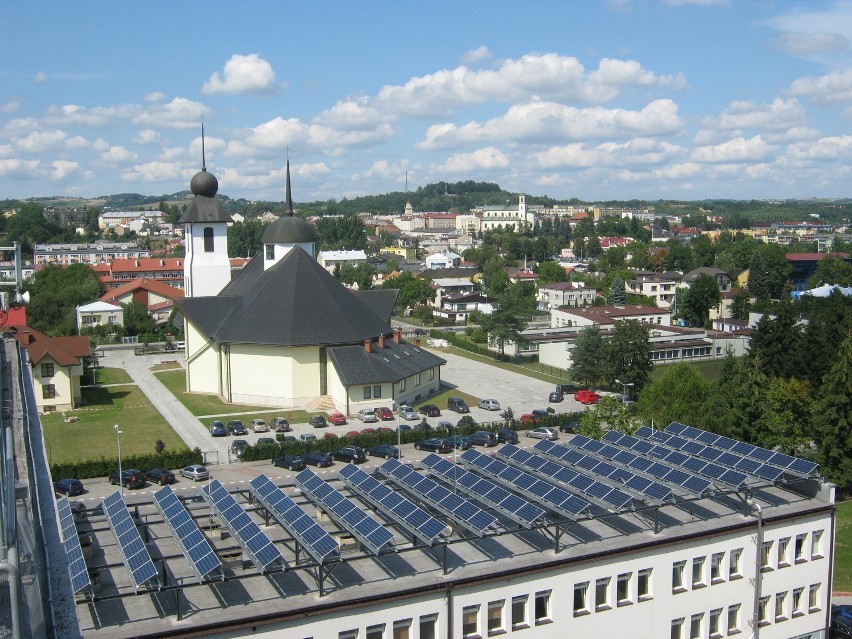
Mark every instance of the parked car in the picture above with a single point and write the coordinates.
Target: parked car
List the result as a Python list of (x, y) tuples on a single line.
[(422, 425), (384, 413), (195, 472), (307, 437), (555, 397), (238, 447), (466, 422), (161, 476), (290, 462), (489, 404), (529, 418), (540, 413), (286, 438), (383, 450), (265, 441), (235, 427), (368, 431), (483, 438), (69, 487), (218, 429), (543, 432), (567, 389), (506, 436), (338, 419), (258, 426), (280, 425), (78, 508), (318, 458), (329, 436), (419, 332), (353, 433), (586, 396), (405, 427), (350, 454), (459, 442), (841, 622), (385, 429), (408, 413), (368, 416), (436, 445), (572, 427), (430, 410), (457, 404), (318, 421), (130, 478)]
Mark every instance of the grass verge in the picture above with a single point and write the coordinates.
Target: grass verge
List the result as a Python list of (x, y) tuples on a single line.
[(93, 435), (843, 548), (113, 376)]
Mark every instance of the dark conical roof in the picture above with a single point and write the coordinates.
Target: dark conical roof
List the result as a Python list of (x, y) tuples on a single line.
[(289, 230)]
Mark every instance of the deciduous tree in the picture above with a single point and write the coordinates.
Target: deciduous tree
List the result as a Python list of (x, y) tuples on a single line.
[(587, 356), (699, 299), (627, 355)]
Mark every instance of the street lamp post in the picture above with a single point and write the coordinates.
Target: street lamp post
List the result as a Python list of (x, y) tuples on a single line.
[(398, 433), (120, 478), (624, 386)]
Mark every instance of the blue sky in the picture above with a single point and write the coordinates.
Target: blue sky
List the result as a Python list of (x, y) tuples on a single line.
[(623, 99)]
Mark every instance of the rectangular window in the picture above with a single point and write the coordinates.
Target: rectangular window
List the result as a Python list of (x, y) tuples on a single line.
[(622, 588), (48, 391), (643, 584), (431, 374), (695, 626), (602, 594), (734, 563), (797, 602), (799, 550), (519, 612), (270, 251), (402, 386), (113, 319), (765, 553), (495, 616), (783, 545), (377, 391), (733, 619), (780, 601), (470, 621), (677, 629), (581, 598), (816, 544), (542, 606), (47, 370), (716, 567), (698, 572), (348, 634), (376, 632), (368, 392), (762, 605), (678, 568), (417, 379), (813, 598), (713, 622), (428, 624), (402, 629)]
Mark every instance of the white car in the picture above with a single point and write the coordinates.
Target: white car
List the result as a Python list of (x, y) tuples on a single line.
[(408, 413), (543, 432), (368, 416), (489, 404), (258, 426)]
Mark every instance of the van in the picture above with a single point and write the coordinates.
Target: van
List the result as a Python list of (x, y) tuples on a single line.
[(457, 404)]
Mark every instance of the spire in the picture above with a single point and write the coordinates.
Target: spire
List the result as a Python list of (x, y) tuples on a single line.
[(203, 155), (288, 203)]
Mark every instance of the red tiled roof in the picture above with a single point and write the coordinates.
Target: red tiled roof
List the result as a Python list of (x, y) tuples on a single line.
[(812, 257), (153, 286), (66, 351)]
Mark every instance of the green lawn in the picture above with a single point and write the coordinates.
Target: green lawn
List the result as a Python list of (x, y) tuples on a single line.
[(843, 548), (93, 435), (440, 400), (112, 376), (710, 369)]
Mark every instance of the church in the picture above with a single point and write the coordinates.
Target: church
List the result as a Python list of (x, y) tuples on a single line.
[(284, 332)]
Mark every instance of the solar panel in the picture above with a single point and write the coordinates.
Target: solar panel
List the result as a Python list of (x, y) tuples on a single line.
[(461, 510), (364, 527), (197, 550), (77, 570), (522, 511), (251, 538), (313, 537), (416, 520), (136, 557), (554, 498)]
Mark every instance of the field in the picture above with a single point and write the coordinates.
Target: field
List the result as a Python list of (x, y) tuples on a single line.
[(93, 435), (843, 548)]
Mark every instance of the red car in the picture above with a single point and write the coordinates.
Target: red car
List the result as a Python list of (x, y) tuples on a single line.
[(528, 418), (384, 429), (353, 433), (587, 397), (385, 414), (329, 436), (338, 419), (368, 431)]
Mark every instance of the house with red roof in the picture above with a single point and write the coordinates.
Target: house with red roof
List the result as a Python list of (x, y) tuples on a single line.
[(154, 295)]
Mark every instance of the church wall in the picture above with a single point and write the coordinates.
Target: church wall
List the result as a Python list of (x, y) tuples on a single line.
[(417, 387), (274, 376), (202, 363), (337, 390)]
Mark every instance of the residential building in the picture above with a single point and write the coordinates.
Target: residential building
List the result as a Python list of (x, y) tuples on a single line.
[(438, 221), (330, 260), (95, 253), (607, 315), (154, 295), (112, 219), (99, 313), (573, 293), (659, 287), (444, 259), (723, 279), (169, 270), (406, 253), (456, 308), (468, 223)]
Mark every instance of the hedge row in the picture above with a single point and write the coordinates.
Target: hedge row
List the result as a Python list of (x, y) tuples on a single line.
[(104, 466), (467, 345)]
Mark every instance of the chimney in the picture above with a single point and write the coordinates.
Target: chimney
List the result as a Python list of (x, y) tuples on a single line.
[(367, 345), (397, 335), (381, 341), (417, 342)]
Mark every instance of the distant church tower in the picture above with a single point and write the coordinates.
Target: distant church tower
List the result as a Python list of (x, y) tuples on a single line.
[(287, 232), (207, 268)]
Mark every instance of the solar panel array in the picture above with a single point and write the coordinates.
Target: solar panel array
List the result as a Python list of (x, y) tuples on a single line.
[(136, 556), (197, 550), (795, 465), (649, 489), (71, 544), (313, 537), (367, 530), (460, 509), (588, 487), (669, 454), (508, 503), (610, 449), (416, 520), (553, 497), (253, 540)]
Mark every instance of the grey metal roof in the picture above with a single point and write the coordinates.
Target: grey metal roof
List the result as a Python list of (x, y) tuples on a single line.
[(392, 363), (204, 209), (296, 302), (289, 230)]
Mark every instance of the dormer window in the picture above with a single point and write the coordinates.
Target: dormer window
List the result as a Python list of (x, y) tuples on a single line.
[(208, 239), (270, 251)]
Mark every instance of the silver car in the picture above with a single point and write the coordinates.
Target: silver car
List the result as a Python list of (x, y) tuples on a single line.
[(196, 472), (258, 426), (543, 432), (409, 414), (489, 404), (368, 416)]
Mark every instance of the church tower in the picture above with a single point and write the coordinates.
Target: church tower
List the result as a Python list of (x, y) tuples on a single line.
[(287, 232), (207, 268)]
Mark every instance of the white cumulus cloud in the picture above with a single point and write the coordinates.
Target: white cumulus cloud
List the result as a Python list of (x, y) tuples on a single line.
[(180, 113), (832, 88), (41, 141), (242, 74), (61, 169), (118, 155), (736, 150), (481, 159)]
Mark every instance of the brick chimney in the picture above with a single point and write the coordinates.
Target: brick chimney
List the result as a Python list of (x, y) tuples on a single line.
[(397, 335), (368, 346), (381, 341), (417, 342)]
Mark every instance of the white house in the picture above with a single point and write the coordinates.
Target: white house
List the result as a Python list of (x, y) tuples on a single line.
[(98, 314), (443, 259), (329, 260), (550, 296)]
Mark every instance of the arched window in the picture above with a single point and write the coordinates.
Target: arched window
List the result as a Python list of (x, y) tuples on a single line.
[(208, 239)]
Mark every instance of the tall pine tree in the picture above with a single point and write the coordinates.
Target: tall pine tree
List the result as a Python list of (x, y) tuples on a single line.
[(832, 418)]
